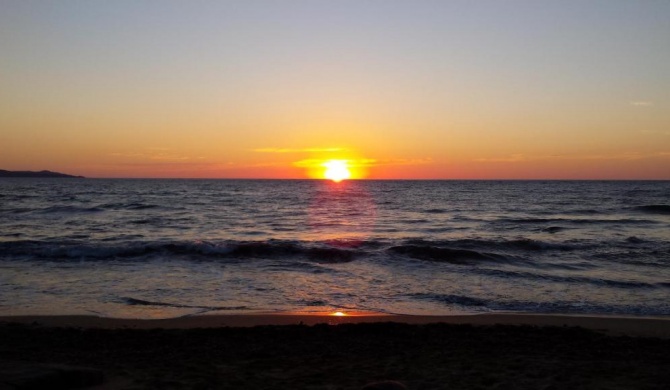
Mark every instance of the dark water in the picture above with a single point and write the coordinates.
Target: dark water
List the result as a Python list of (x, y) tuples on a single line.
[(164, 248)]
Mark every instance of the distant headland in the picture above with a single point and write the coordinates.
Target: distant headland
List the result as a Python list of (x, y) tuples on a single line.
[(4, 173)]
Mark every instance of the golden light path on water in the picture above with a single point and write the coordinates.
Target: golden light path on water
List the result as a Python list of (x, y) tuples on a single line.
[(341, 213)]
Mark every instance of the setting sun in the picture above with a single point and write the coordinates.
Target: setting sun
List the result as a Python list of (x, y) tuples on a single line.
[(336, 170)]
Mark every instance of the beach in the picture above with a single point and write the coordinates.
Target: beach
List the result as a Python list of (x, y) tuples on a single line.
[(294, 351)]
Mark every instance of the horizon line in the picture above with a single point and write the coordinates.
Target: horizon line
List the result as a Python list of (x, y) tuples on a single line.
[(358, 180)]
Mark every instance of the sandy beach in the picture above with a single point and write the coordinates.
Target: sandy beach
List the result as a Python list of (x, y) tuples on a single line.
[(295, 351)]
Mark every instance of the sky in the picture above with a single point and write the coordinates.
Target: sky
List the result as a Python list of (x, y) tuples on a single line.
[(398, 89)]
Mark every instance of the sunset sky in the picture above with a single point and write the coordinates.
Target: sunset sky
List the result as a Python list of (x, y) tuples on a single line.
[(399, 89)]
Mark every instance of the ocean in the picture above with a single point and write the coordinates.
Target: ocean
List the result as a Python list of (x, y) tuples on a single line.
[(168, 248)]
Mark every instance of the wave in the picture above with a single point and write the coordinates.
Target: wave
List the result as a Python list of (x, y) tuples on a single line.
[(528, 253), (74, 250), (141, 206), (553, 229), (575, 221), (447, 255), (515, 245), (69, 210), (437, 211), (17, 210), (634, 240), (129, 206), (558, 306), (135, 206), (625, 284), (654, 255), (280, 249), (654, 209), (141, 302), (332, 251), (451, 299), (589, 211)]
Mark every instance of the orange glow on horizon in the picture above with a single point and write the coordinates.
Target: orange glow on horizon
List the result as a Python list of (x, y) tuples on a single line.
[(339, 314), (335, 168)]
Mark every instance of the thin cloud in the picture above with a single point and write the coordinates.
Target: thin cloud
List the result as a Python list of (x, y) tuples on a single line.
[(364, 162), (307, 163), (510, 158), (169, 164), (303, 150), (157, 154), (315, 162), (655, 132), (626, 156), (401, 161), (641, 103)]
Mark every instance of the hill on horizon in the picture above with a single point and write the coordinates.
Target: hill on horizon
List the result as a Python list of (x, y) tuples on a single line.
[(44, 173)]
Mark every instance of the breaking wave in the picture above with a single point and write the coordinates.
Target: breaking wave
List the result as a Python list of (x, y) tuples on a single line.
[(197, 250), (448, 255), (459, 251), (654, 209), (141, 302), (477, 304), (576, 221)]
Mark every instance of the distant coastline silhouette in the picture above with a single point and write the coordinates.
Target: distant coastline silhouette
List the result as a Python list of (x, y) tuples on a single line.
[(4, 173)]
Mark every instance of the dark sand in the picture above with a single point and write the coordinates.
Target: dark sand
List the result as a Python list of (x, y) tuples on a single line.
[(469, 352)]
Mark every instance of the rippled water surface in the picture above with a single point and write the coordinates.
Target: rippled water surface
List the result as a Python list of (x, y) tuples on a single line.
[(166, 248)]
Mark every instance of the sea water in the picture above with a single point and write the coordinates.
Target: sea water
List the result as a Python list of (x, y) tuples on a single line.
[(169, 248)]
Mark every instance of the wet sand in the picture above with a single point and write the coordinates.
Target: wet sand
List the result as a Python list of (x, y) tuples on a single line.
[(630, 326), (295, 351)]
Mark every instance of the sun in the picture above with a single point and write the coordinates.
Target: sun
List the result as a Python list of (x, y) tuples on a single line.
[(336, 170)]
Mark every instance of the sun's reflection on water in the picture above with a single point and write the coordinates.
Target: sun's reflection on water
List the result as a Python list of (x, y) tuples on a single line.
[(342, 214)]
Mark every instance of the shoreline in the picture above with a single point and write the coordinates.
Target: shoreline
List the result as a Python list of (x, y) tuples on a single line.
[(610, 325)]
